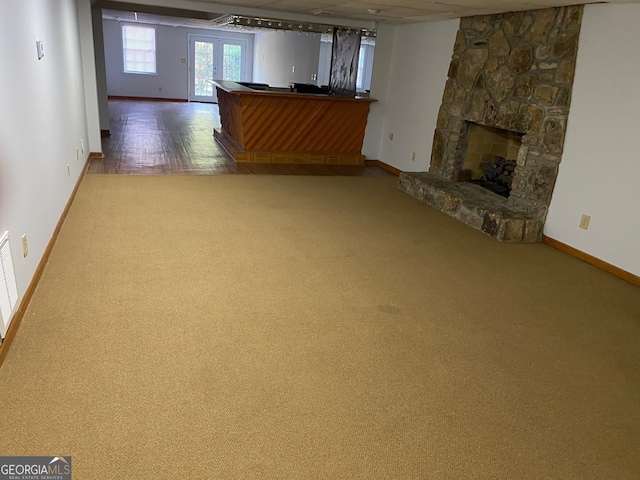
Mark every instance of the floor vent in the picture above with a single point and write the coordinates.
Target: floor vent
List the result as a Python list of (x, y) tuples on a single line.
[(8, 288)]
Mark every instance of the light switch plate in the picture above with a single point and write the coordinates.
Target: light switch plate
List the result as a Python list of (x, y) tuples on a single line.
[(40, 49), (25, 245)]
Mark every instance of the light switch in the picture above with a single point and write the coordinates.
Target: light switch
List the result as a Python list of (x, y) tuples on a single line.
[(40, 49)]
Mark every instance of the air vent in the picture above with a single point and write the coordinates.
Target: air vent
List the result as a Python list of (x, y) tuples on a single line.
[(8, 289)]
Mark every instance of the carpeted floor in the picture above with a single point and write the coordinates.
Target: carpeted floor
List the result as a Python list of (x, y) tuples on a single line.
[(316, 327)]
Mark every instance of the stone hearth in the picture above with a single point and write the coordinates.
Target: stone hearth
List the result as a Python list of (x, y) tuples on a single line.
[(473, 205), (512, 71)]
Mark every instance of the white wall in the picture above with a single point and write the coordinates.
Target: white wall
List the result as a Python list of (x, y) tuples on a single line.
[(278, 52), (101, 72), (600, 169), (380, 78), (415, 59), (94, 142), (172, 46), (42, 120)]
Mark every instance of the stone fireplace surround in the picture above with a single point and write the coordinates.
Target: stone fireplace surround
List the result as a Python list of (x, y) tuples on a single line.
[(512, 71)]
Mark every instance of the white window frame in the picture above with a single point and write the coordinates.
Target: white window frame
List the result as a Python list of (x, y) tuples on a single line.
[(128, 68)]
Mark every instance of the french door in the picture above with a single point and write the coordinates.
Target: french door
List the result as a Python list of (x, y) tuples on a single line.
[(214, 58)]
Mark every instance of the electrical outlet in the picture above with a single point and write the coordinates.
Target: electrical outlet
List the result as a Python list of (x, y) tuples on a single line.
[(413, 157), (68, 170), (82, 146), (584, 221), (25, 246)]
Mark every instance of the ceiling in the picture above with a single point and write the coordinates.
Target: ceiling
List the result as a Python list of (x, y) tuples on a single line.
[(359, 12), (159, 19), (398, 11)]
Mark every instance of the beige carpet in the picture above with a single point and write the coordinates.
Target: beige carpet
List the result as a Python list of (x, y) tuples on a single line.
[(316, 327)]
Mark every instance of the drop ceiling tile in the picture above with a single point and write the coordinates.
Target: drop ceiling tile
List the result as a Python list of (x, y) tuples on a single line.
[(506, 5), (245, 3), (421, 5), (384, 10), (297, 6)]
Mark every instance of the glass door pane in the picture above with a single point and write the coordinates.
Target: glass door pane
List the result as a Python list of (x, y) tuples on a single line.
[(232, 62), (202, 68)]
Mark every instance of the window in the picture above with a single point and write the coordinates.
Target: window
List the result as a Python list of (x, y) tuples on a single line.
[(365, 65), (361, 63), (139, 49)]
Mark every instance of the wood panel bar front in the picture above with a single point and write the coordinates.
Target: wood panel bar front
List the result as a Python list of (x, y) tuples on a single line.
[(281, 127)]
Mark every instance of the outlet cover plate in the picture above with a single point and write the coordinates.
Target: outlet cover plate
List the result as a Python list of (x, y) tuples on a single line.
[(584, 221)]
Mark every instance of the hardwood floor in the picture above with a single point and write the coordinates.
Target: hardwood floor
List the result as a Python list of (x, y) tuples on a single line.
[(176, 138)]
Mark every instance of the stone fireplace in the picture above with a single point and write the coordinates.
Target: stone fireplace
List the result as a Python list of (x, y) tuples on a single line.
[(512, 72)]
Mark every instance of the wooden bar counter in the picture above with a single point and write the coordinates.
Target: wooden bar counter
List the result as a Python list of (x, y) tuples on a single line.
[(262, 126)]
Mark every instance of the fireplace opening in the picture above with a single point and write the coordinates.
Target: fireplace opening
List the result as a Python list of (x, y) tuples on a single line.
[(490, 159)]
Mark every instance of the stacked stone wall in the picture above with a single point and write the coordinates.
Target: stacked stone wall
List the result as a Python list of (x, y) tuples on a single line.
[(512, 71)]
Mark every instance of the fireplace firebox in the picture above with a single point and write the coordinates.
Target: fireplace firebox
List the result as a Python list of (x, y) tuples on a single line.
[(490, 158)]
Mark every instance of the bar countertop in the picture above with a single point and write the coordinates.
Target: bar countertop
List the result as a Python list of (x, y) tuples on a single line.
[(234, 87)]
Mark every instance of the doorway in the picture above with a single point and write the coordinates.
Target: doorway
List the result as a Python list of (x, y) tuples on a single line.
[(214, 58)]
